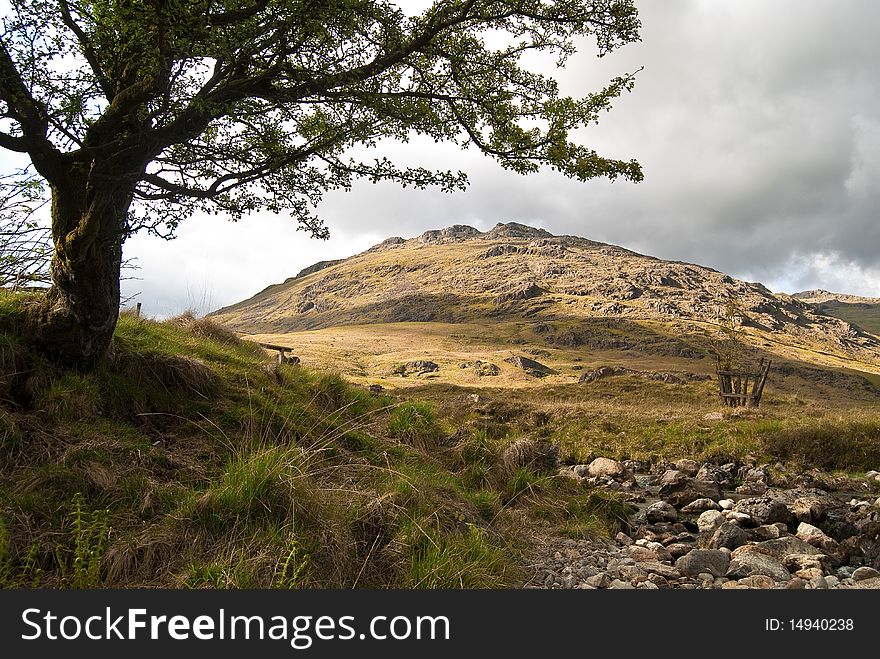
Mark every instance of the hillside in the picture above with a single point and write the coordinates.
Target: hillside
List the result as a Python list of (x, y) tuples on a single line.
[(515, 288), (857, 310)]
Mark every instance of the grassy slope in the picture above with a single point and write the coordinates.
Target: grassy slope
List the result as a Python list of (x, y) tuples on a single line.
[(866, 316), (189, 460)]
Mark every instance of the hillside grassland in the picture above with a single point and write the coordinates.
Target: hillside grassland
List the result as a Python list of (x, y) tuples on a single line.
[(865, 315), (190, 459)]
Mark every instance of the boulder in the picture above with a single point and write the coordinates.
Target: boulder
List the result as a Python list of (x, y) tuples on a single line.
[(764, 510), (724, 474), (661, 511), (678, 549), (530, 366), (416, 367), (687, 467), (816, 537), (807, 509), (713, 561), (690, 489), (864, 573), (755, 563), (728, 535), (709, 521), (661, 569), (757, 581), (605, 467), (770, 531), (671, 477), (779, 548), (700, 505)]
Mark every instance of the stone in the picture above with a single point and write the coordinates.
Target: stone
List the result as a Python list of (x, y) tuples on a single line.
[(816, 537), (660, 551), (617, 584), (690, 489), (638, 553), (741, 519), (586, 571), (754, 563), (807, 509), (700, 505), (797, 562), (632, 573), (866, 584), (661, 512), (710, 520), (758, 581), (751, 487), (795, 583), (623, 539), (831, 580), (764, 510), (754, 474), (724, 474), (809, 573), (600, 580), (780, 548), (863, 573), (767, 532), (656, 567), (712, 561), (672, 477), (605, 467), (728, 535), (530, 366), (658, 580), (688, 467), (417, 367), (726, 504), (714, 416), (818, 583), (581, 471), (678, 549)]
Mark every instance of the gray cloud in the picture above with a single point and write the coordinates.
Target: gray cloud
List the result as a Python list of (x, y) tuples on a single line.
[(757, 123)]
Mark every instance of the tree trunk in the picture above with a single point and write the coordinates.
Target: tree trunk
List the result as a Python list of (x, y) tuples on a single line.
[(75, 324)]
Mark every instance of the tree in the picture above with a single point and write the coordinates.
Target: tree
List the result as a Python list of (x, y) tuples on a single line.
[(139, 112)]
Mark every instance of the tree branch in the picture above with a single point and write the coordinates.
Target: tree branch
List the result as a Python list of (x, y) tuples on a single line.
[(87, 50)]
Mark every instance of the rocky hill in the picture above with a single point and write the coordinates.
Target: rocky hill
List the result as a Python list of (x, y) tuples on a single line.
[(462, 275), (821, 296), (864, 312)]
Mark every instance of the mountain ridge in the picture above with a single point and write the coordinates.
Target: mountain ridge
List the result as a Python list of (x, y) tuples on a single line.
[(515, 271)]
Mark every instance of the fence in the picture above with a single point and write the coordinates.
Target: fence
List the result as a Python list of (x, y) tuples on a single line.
[(733, 386)]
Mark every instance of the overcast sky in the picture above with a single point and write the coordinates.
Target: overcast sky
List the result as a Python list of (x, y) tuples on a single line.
[(757, 123)]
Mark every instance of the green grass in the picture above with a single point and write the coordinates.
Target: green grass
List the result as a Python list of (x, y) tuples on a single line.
[(189, 460), (866, 316)]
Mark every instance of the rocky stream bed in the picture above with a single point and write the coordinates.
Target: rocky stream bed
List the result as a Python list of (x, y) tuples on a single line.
[(721, 526)]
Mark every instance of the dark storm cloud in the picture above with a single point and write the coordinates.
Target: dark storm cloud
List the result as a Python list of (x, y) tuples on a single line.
[(758, 126)]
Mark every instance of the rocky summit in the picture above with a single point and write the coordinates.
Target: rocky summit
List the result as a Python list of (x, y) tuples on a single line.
[(513, 271)]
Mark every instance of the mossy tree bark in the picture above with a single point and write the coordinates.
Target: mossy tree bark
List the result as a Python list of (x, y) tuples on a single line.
[(76, 321)]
